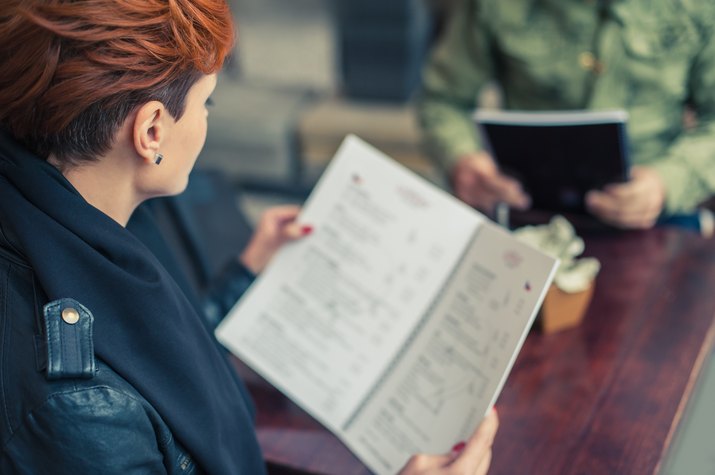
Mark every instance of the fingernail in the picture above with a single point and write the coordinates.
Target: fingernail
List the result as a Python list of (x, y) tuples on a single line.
[(459, 446), (306, 230)]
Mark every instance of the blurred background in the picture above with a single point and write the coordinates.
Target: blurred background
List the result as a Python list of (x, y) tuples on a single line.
[(304, 74)]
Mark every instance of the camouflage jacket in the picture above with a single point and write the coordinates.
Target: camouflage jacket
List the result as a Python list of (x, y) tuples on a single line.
[(649, 57)]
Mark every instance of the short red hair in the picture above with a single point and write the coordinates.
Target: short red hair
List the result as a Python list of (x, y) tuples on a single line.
[(72, 71)]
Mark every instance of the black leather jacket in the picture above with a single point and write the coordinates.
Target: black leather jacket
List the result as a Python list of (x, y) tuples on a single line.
[(58, 404)]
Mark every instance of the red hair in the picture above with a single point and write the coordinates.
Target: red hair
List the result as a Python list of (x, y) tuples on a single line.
[(72, 71)]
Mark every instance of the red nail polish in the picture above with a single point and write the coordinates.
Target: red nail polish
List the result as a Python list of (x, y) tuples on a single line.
[(459, 446), (307, 229)]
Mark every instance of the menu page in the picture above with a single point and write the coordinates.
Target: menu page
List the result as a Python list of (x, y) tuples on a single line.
[(328, 316), (453, 368)]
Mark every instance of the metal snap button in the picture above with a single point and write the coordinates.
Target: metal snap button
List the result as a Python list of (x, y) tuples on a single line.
[(70, 316), (587, 60)]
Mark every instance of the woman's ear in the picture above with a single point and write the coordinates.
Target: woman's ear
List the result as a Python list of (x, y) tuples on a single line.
[(150, 130)]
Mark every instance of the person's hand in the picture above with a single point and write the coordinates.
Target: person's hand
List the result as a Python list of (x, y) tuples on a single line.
[(478, 182), (276, 227), (470, 458), (634, 204)]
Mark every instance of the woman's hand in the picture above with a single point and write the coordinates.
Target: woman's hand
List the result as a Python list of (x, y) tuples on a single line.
[(276, 227), (472, 457)]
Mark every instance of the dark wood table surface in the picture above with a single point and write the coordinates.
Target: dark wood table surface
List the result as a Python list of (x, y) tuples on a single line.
[(602, 398)]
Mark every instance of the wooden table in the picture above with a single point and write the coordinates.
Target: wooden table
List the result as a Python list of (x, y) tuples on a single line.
[(604, 397)]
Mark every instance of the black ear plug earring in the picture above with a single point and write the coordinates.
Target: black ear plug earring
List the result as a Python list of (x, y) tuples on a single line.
[(158, 158)]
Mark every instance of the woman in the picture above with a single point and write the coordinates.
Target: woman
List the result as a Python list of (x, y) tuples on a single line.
[(106, 365)]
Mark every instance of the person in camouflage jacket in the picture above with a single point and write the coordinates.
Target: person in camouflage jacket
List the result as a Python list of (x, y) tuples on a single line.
[(653, 58)]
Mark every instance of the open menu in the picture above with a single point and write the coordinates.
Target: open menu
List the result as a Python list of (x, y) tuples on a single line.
[(396, 322)]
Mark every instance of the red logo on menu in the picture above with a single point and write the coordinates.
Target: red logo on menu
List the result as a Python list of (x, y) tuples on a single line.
[(512, 259), (412, 197)]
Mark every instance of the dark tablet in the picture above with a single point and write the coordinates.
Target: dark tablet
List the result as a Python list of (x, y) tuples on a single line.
[(558, 156)]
